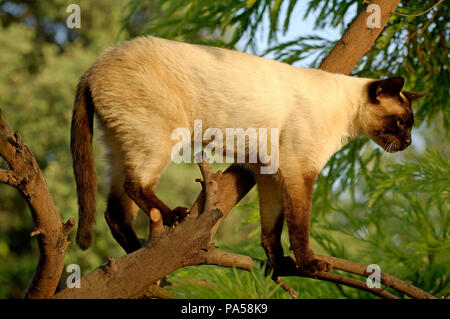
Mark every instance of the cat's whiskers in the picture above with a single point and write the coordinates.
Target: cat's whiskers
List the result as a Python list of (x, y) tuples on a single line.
[(384, 157)]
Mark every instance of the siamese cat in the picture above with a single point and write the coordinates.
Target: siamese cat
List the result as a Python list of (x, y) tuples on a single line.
[(143, 89)]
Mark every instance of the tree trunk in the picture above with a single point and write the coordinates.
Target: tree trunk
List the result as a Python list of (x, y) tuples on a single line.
[(358, 38)]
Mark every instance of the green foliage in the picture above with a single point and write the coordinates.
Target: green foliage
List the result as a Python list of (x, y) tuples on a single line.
[(404, 222), (224, 284), (403, 226)]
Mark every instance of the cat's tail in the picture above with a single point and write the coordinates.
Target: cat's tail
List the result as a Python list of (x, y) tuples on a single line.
[(83, 162)]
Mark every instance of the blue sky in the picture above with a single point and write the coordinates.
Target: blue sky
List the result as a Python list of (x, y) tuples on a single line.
[(300, 27)]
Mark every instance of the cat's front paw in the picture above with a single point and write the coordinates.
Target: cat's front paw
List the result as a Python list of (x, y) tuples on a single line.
[(314, 266), (175, 216)]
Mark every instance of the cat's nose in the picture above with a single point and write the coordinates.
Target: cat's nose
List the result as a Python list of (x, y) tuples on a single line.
[(408, 141)]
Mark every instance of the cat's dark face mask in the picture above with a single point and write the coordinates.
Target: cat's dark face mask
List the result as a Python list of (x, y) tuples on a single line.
[(391, 115), (395, 133)]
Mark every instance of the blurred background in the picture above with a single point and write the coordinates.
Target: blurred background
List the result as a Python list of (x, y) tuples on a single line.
[(369, 206)]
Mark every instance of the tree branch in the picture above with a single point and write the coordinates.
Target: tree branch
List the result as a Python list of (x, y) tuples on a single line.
[(51, 233), (387, 280), (174, 250), (226, 259), (358, 39), (154, 291)]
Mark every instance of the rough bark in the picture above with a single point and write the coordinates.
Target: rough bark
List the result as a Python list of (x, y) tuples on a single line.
[(191, 243), (169, 249), (358, 39), (24, 174)]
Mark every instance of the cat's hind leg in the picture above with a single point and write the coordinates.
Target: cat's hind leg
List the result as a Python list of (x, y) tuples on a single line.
[(120, 214), (272, 218), (121, 210)]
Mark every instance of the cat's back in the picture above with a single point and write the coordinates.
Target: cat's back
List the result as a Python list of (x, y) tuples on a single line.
[(149, 75), (166, 60)]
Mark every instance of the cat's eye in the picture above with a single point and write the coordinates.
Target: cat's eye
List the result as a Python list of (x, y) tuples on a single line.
[(400, 122)]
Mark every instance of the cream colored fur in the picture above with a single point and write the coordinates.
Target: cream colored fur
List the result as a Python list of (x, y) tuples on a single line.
[(147, 87)]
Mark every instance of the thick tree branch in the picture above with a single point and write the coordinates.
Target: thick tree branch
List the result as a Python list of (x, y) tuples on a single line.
[(51, 233), (358, 39), (174, 248), (177, 250)]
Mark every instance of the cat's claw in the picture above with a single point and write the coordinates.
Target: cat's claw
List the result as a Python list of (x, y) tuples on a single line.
[(176, 216), (315, 266), (181, 213)]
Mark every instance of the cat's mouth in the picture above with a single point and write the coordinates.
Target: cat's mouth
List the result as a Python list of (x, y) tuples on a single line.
[(393, 147), (389, 143)]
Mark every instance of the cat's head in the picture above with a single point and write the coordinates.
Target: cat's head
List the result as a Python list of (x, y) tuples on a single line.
[(389, 116)]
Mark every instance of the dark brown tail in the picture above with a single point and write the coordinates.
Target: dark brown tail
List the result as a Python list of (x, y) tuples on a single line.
[(83, 162)]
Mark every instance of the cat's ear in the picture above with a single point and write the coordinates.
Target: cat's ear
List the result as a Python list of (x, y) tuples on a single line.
[(411, 96), (391, 86)]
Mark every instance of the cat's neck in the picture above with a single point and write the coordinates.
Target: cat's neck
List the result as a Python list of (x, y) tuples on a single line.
[(353, 99)]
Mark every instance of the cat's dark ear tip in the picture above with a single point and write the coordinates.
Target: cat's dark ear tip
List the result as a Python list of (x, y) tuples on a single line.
[(411, 96), (390, 86)]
